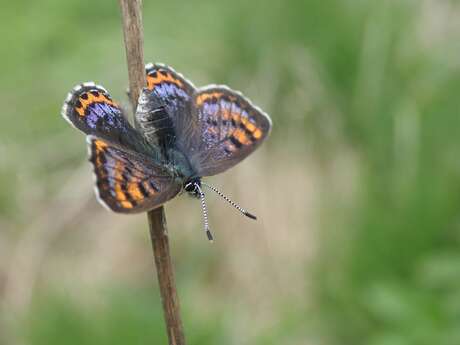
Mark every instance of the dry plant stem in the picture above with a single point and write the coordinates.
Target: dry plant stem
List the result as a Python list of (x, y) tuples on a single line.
[(134, 46), (160, 244), (132, 30)]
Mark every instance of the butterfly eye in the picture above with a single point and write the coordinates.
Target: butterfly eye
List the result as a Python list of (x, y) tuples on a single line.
[(189, 187)]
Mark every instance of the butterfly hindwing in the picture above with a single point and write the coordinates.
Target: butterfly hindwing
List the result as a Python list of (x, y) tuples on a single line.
[(129, 182), (231, 128), (90, 108)]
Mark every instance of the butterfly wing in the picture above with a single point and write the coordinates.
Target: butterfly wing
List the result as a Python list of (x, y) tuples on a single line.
[(164, 111), (230, 127), (215, 127), (129, 182), (90, 108)]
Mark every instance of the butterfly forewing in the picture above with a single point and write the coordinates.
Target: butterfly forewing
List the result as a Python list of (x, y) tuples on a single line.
[(164, 107), (90, 108), (129, 182), (231, 128)]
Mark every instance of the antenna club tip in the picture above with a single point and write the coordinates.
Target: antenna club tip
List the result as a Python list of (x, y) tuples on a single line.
[(249, 215), (209, 235)]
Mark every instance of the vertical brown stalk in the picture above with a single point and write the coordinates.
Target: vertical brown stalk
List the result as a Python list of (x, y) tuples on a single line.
[(133, 35)]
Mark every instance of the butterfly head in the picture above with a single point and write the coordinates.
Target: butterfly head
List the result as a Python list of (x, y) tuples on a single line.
[(193, 187)]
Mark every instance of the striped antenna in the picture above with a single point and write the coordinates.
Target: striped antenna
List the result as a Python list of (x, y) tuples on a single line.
[(227, 199), (205, 213)]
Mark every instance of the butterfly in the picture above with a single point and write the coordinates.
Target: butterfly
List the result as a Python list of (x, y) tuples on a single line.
[(182, 134)]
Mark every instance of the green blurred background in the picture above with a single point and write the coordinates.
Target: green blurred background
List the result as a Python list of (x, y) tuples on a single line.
[(357, 190)]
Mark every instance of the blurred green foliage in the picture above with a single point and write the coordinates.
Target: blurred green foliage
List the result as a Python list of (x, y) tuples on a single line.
[(122, 320), (381, 79)]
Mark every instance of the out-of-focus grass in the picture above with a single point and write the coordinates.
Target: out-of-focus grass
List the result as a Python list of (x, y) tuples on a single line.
[(121, 319), (392, 281), (358, 188)]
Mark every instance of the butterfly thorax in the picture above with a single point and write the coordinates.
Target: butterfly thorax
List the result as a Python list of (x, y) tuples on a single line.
[(181, 165), (191, 183)]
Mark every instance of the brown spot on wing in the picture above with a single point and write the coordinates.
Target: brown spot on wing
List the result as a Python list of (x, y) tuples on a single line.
[(149, 188)]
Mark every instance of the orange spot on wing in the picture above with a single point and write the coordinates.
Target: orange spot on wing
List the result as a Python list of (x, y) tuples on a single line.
[(134, 191), (119, 192), (236, 118), (241, 136), (257, 134), (101, 98), (80, 111), (226, 114), (100, 145), (126, 204), (160, 78), (206, 96), (250, 127)]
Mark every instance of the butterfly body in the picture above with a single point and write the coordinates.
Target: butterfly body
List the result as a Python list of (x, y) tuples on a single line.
[(182, 134)]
